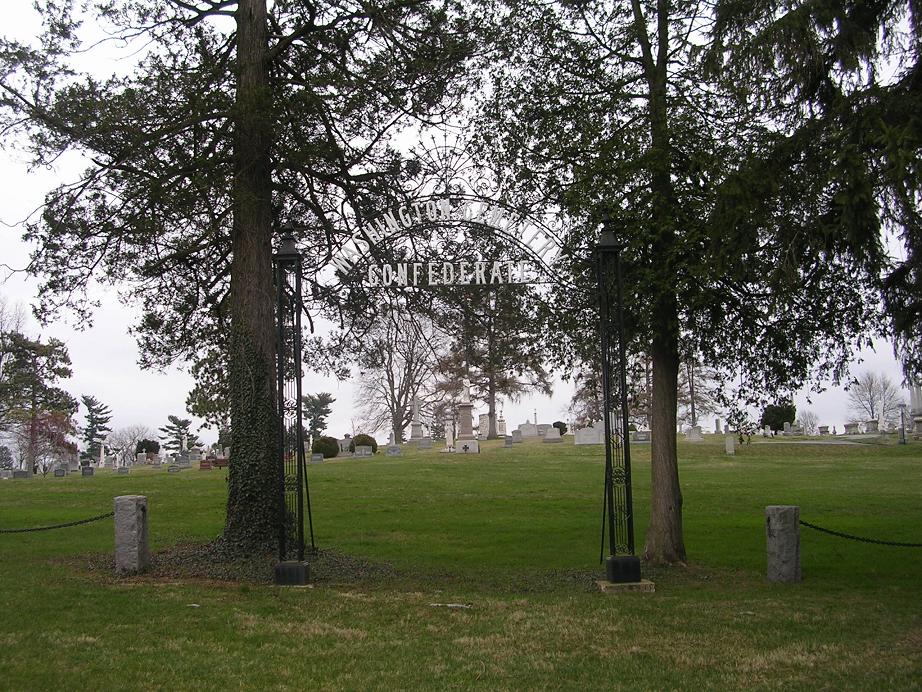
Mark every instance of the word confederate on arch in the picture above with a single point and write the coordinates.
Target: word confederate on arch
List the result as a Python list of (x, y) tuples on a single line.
[(537, 244)]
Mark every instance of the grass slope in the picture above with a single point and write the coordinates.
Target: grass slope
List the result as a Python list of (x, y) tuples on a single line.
[(514, 533)]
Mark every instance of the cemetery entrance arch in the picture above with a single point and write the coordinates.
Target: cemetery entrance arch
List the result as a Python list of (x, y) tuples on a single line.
[(381, 255)]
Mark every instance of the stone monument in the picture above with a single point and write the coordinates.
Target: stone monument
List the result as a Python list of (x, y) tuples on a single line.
[(416, 425), (465, 418)]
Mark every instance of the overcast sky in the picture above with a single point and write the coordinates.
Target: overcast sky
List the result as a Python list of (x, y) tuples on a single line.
[(105, 357)]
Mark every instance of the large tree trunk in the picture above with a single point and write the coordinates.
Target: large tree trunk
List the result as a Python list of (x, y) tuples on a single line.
[(491, 404), (254, 514), (664, 542)]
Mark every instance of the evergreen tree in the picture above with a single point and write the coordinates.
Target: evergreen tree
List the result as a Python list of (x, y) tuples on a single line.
[(841, 84), (496, 345), (776, 415), (221, 132), (175, 431), (147, 447), (98, 416), (32, 371), (607, 111), (316, 408)]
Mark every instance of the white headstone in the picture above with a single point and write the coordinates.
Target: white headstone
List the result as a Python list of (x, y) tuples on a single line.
[(730, 445), (594, 434), (528, 430), (552, 434)]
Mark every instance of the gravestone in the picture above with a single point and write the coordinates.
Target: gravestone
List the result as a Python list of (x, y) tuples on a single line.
[(316, 458), (60, 473), (393, 451), (823, 429), (195, 455), (344, 444), (594, 434), (872, 426), (782, 540), (767, 432), (425, 443), (205, 465), (787, 429), (542, 428), (694, 434), (140, 458), (516, 436), (226, 452), (501, 426), (552, 434), (132, 554), (19, 473), (73, 467), (110, 462), (122, 470), (730, 445), (507, 441), (483, 422), (851, 428), (416, 426), (717, 426), (467, 447), (173, 468), (642, 436), (362, 451), (86, 471), (465, 415), (528, 430), (6, 474)]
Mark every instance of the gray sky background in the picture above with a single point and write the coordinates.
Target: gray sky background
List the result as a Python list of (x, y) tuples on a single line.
[(105, 357)]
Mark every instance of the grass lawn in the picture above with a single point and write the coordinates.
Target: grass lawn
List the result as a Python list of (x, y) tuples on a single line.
[(514, 534)]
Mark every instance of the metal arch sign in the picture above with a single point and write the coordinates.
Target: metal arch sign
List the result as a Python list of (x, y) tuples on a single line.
[(537, 244)]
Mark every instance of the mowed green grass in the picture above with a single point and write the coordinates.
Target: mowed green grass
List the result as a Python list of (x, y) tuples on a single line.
[(503, 532)]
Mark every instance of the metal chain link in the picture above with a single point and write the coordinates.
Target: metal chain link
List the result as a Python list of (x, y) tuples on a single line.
[(859, 538), (59, 526)]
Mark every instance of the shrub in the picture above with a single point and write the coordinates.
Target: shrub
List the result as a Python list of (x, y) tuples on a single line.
[(561, 426), (364, 441), (328, 446)]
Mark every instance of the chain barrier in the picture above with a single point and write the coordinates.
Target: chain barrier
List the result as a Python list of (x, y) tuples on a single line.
[(59, 526), (851, 537)]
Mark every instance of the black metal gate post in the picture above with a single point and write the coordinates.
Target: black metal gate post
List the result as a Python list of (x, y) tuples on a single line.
[(293, 468), (622, 565)]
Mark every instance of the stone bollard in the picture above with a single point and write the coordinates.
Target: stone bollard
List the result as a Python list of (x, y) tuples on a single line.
[(782, 537), (730, 445), (132, 554)]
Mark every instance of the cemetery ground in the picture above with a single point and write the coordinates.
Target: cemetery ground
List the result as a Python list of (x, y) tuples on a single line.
[(511, 533)]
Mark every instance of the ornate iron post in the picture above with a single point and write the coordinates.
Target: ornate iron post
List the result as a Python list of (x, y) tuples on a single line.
[(292, 464), (622, 565)]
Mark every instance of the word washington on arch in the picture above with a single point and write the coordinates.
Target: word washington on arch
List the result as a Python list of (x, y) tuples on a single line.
[(540, 244)]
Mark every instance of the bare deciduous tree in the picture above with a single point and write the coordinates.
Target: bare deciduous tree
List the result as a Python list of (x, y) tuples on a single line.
[(874, 396), (398, 361), (124, 441), (808, 421)]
